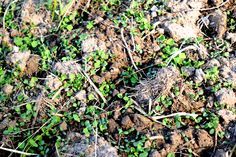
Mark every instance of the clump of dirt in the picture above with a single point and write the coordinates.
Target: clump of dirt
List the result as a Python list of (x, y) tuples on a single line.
[(184, 104), (102, 40), (40, 18), (186, 15), (218, 22), (151, 89), (53, 82), (18, 59), (4, 37), (93, 44), (81, 96), (198, 140), (67, 67), (27, 63), (93, 146), (7, 89), (227, 115), (228, 70), (32, 65), (226, 96), (190, 19)]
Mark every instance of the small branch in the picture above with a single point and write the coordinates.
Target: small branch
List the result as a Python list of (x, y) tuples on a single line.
[(128, 49), (17, 151), (175, 114)]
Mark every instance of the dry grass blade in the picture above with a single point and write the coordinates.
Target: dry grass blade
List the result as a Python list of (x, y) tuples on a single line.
[(174, 114), (18, 152), (128, 49), (5, 13), (92, 84), (67, 10), (191, 47)]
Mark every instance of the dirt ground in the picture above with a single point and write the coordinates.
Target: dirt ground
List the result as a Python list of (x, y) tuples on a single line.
[(118, 78)]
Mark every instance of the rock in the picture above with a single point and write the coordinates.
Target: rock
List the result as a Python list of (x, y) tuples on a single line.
[(112, 125), (212, 63), (89, 147), (216, 2), (231, 37), (63, 126), (228, 71), (226, 96), (15, 49), (68, 67), (82, 108), (126, 123), (187, 71), (153, 14), (203, 52), (4, 123), (53, 82), (221, 153), (204, 140), (227, 115), (93, 44), (218, 21), (199, 76), (154, 8), (154, 153), (19, 59), (81, 96), (178, 32), (7, 89)]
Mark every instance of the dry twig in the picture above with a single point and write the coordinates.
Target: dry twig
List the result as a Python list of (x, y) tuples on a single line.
[(128, 49)]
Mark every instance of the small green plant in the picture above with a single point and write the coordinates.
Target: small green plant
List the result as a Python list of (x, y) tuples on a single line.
[(90, 25), (100, 59), (231, 21), (130, 76), (211, 123), (212, 74), (136, 146)]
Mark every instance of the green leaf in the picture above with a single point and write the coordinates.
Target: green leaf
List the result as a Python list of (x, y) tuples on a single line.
[(86, 132), (144, 154), (76, 117), (29, 107), (171, 155), (33, 143), (97, 64), (34, 44), (18, 41), (69, 27)]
